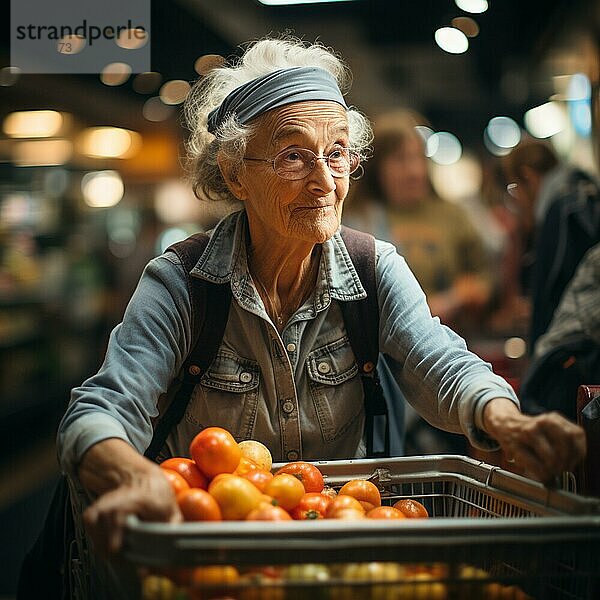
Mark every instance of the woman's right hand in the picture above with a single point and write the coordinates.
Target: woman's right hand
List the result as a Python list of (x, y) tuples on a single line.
[(126, 484)]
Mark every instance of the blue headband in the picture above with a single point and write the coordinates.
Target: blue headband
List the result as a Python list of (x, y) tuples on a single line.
[(273, 90)]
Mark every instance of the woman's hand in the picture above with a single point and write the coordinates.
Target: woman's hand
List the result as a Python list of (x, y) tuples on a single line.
[(543, 446), (127, 484)]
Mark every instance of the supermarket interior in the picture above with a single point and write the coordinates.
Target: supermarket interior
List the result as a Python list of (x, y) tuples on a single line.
[(93, 181)]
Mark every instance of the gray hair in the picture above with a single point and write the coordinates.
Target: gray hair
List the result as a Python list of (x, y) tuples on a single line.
[(260, 58)]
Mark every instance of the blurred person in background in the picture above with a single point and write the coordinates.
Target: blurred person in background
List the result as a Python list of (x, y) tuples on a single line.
[(396, 202), (559, 213), (273, 131)]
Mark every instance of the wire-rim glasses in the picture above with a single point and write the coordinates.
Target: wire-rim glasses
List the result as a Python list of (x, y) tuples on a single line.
[(297, 163)]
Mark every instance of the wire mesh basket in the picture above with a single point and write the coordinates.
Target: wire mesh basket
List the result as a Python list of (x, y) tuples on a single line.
[(492, 534)]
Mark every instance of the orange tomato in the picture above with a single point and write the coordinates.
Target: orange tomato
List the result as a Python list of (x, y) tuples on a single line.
[(188, 469), (235, 495), (313, 505), (245, 465), (411, 508), (364, 491), (215, 451), (265, 511), (348, 514), (286, 489), (197, 505), (342, 502), (258, 477), (307, 473), (178, 483), (385, 512), (329, 492), (217, 578)]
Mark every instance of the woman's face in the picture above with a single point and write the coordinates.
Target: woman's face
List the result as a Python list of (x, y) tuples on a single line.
[(403, 173), (307, 209)]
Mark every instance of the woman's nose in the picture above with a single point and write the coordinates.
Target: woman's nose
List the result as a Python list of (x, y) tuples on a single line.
[(320, 178)]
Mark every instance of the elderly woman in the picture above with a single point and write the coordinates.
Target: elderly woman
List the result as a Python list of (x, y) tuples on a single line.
[(275, 133)]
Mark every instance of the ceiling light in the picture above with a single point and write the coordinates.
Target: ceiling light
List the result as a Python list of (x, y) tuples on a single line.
[(451, 40), (449, 148), (33, 123), (102, 189), (472, 6), (545, 120), (42, 153), (109, 142), (504, 132)]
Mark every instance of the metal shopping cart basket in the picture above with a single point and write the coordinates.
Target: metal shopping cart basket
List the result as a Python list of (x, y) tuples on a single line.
[(492, 534)]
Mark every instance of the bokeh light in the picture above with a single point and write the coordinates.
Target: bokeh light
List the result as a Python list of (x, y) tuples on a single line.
[(40, 153), (515, 347), (467, 25), (71, 44), (33, 123), (109, 142), (147, 82), (174, 91), (205, 64), (459, 180), (174, 202), (156, 110), (504, 132), (9, 76), (132, 39), (102, 189), (472, 6), (451, 40), (545, 120), (449, 148), (115, 73)]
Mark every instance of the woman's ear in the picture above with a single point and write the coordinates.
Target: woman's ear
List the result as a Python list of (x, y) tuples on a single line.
[(230, 175)]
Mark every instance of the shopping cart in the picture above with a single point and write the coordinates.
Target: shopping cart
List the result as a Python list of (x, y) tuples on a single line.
[(492, 534)]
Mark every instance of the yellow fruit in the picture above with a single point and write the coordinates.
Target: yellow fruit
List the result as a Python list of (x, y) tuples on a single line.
[(258, 453)]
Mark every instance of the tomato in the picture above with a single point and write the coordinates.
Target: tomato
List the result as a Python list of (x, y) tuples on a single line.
[(421, 586), (382, 577), (213, 581), (307, 473), (258, 453), (178, 483), (342, 502), (385, 512), (215, 451), (258, 477), (329, 492), (259, 586), (411, 508), (156, 587), (314, 574), (286, 489), (198, 505), (266, 511), (235, 495), (348, 514), (245, 465), (364, 491), (313, 505), (188, 469)]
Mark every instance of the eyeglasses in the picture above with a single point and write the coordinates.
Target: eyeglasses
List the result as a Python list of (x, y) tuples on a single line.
[(297, 163)]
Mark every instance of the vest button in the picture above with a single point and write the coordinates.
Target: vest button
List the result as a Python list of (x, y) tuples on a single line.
[(291, 347), (194, 370), (293, 455), (246, 377), (323, 367), (368, 367), (288, 407)]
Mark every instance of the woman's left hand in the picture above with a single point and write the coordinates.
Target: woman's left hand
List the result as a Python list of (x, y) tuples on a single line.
[(542, 446)]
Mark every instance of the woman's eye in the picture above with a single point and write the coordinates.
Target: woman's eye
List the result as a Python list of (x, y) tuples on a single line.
[(292, 156), (336, 154)]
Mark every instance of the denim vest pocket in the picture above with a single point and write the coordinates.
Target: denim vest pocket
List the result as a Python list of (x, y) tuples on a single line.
[(335, 388), (227, 395)]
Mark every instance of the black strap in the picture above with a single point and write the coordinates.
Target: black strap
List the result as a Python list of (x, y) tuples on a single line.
[(361, 319), (210, 304)]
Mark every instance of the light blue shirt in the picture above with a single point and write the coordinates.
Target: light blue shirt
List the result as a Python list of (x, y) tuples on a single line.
[(298, 392)]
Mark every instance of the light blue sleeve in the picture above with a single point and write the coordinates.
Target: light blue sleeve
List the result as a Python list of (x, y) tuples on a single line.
[(144, 354), (446, 383)]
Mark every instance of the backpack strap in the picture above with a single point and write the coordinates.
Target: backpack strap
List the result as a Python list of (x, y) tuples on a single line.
[(361, 319), (210, 304)]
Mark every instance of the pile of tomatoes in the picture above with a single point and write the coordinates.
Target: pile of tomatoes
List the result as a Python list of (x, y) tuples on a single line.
[(227, 480)]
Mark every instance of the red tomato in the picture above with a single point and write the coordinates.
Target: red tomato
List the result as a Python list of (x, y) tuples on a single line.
[(197, 505), (307, 473), (312, 505), (364, 491), (188, 469), (215, 451), (258, 477), (286, 489), (178, 483), (385, 512)]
